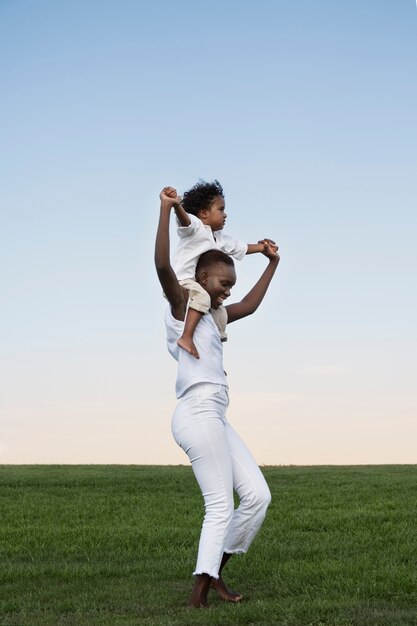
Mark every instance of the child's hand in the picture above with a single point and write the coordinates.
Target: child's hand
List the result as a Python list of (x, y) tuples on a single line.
[(270, 249), (169, 195), (268, 244)]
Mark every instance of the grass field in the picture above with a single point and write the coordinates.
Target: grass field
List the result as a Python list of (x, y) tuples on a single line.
[(104, 545)]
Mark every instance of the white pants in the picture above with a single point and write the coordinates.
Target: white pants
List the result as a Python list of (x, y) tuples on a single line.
[(221, 463)]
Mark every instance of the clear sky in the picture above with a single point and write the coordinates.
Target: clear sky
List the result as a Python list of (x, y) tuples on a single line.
[(306, 113)]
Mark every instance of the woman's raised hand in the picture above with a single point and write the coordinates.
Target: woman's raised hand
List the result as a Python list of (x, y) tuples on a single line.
[(270, 249)]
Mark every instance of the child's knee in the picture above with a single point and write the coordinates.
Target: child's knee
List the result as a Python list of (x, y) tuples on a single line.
[(199, 301)]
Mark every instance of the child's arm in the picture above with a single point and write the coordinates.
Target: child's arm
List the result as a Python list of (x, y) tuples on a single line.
[(182, 215), (180, 212), (261, 246)]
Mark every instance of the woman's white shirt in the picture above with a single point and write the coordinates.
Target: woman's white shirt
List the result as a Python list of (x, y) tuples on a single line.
[(209, 367)]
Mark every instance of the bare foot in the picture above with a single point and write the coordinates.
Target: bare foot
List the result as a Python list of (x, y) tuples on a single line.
[(198, 599), (224, 592), (188, 345)]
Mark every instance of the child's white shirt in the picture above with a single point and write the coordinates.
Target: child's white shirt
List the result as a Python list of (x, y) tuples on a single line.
[(198, 238)]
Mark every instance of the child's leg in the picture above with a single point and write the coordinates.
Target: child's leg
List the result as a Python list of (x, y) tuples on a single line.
[(186, 339), (198, 305)]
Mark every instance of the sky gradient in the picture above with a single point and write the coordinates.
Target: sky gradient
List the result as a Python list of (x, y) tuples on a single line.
[(306, 113)]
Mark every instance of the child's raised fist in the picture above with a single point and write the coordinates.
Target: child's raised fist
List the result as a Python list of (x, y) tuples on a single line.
[(169, 193)]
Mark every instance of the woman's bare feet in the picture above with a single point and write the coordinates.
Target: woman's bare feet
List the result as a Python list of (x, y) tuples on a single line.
[(198, 599), (188, 344), (224, 592)]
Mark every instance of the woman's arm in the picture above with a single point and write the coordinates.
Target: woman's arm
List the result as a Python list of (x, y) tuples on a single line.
[(176, 295), (253, 299)]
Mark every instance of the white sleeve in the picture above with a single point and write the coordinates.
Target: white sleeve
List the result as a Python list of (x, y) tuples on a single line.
[(231, 246), (191, 229)]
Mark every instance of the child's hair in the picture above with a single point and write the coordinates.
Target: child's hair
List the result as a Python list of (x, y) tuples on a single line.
[(201, 196), (212, 257)]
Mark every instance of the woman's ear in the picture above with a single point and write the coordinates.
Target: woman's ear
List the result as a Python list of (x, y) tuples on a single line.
[(203, 278)]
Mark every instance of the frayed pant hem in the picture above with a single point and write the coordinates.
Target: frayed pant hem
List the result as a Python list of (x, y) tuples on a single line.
[(199, 573)]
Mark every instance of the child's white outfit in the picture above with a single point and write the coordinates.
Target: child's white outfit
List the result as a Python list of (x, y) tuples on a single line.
[(194, 240)]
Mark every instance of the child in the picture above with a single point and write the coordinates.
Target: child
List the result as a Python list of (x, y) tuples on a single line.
[(201, 218)]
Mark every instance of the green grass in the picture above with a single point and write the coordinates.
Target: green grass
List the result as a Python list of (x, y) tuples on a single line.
[(104, 545)]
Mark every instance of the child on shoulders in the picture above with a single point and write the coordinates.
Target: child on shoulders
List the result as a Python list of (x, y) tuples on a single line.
[(201, 218)]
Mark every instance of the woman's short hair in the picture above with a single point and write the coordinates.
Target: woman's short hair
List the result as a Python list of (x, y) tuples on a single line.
[(212, 258)]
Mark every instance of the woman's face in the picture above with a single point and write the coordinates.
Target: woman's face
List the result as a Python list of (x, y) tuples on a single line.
[(218, 281)]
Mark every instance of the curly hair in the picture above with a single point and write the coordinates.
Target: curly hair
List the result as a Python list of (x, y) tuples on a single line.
[(212, 258), (201, 196)]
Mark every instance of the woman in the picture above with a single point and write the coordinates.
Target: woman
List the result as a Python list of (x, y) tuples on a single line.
[(220, 460)]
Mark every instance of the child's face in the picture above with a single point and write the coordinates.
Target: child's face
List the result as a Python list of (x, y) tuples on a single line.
[(218, 281), (215, 216)]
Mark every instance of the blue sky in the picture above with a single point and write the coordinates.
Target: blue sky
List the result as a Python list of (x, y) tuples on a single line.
[(305, 111)]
